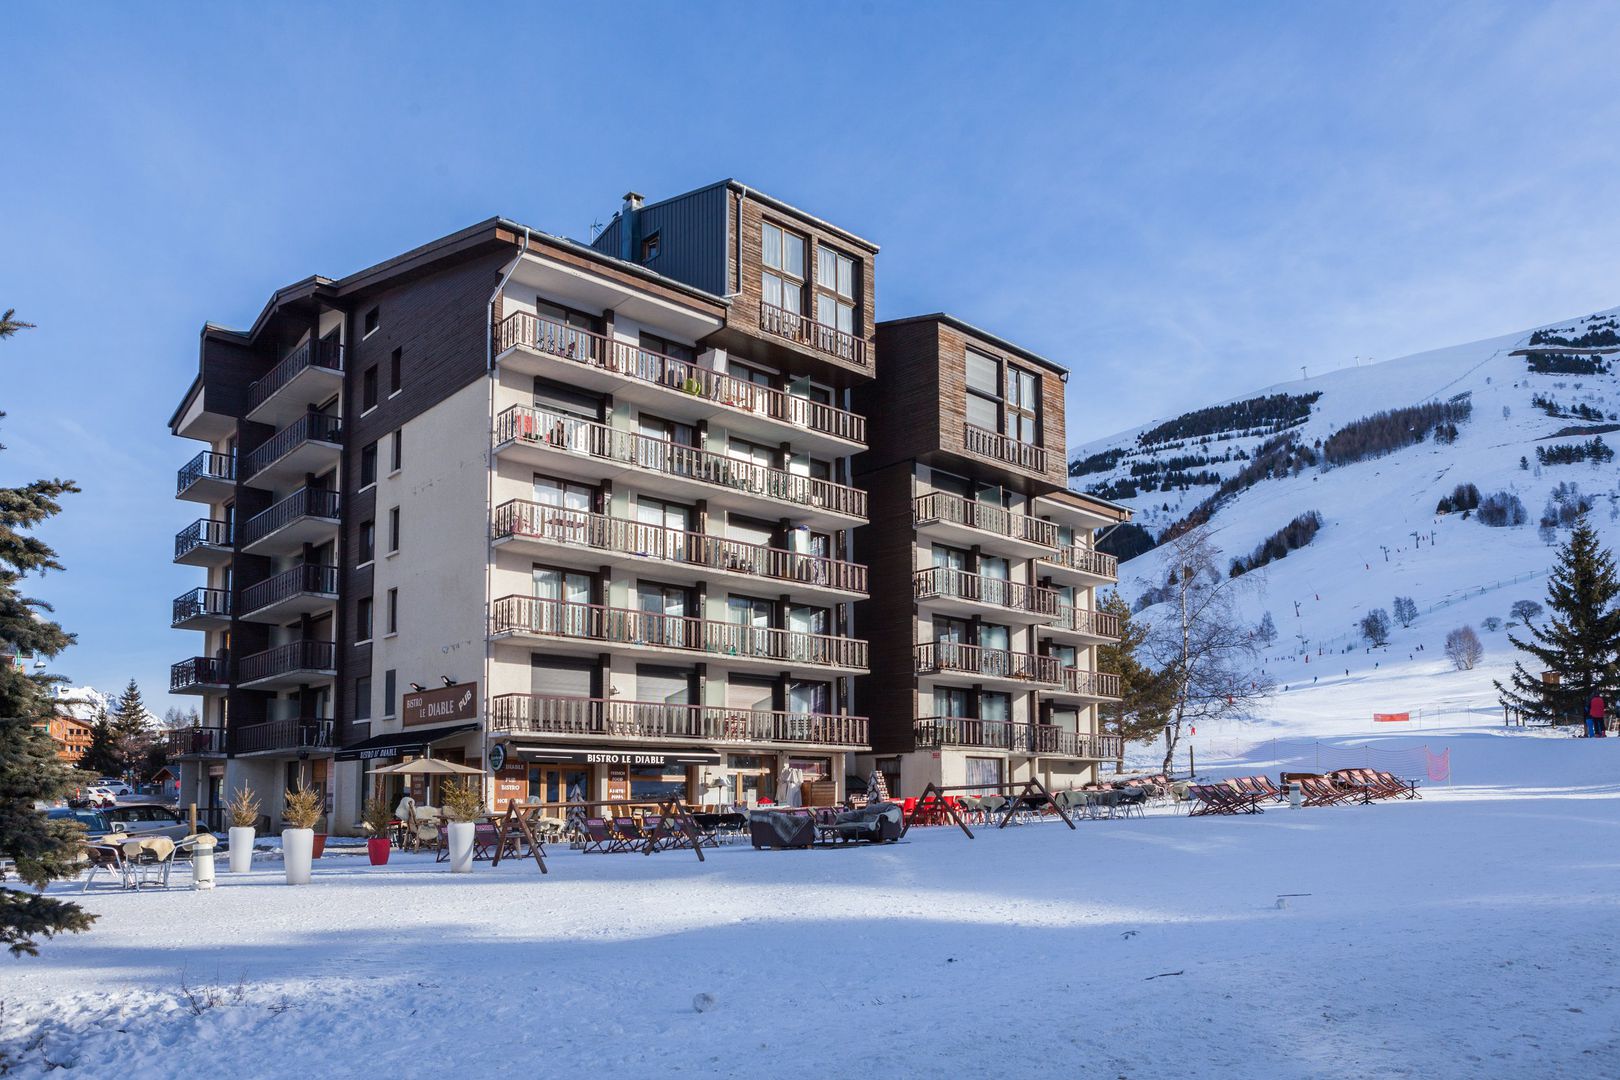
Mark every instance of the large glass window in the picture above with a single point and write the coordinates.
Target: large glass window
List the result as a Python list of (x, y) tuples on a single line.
[(983, 771), (782, 280), (1023, 405), (835, 289), (564, 594)]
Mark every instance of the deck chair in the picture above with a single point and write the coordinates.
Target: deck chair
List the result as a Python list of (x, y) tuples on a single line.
[(629, 832), (598, 839), (1320, 791), (108, 857), (1404, 789), (1132, 800)]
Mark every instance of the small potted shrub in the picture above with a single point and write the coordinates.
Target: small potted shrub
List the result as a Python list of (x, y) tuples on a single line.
[(463, 803), (378, 817), (244, 811), (301, 812)]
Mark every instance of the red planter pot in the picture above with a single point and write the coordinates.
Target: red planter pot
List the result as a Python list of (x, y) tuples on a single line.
[(320, 844), (378, 848)]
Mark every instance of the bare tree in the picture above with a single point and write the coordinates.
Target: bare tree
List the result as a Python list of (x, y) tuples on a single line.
[(1204, 648), (1463, 648)]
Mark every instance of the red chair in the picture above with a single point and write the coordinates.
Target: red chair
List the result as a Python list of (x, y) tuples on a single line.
[(907, 806)]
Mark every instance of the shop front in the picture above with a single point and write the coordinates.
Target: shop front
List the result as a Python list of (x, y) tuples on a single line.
[(557, 775)]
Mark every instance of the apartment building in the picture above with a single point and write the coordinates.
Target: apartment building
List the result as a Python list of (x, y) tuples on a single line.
[(578, 514), (71, 736), (982, 611)]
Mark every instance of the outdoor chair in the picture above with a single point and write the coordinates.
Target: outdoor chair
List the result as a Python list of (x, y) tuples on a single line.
[(1320, 791), (629, 832), (991, 805), (732, 826), (1405, 789), (149, 860), (1178, 795), (108, 857), (1132, 800), (598, 839)]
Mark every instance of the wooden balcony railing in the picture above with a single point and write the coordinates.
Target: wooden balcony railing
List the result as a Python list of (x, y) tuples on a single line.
[(199, 671), (933, 732), (937, 657), (806, 331), (204, 532), (578, 528), (627, 626), (311, 427), (274, 735), (304, 578), (1084, 621), (939, 582), (644, 365), (294, 656), (200, 602), (998, 447), (1098, 684), (208, 464), (326, 354), (521, 423), (938, 507), (305, 502), (194, 742), (1086, 560), (543, 715)]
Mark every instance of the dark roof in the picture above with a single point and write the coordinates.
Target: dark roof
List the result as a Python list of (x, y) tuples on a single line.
[(984, 335), (770, 200)]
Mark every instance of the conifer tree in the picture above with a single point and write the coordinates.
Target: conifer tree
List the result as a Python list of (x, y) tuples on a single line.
[(100, 758), (1579, 639), (1146, 696), (30, 771), (132, 733)]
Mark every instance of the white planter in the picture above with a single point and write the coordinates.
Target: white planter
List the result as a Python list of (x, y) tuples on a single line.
[(297, 853), (461, 847), (241, 849)]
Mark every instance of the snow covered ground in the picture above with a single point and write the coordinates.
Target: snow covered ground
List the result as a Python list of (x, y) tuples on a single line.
[(1469, 934)]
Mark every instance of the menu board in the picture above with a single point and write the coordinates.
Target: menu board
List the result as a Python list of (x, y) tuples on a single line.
[(511, 785), (618, 783)]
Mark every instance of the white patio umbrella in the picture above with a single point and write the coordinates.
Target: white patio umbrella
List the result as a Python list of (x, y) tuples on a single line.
[(428, 767)]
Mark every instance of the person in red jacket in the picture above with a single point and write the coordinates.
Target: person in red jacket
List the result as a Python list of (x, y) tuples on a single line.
[(1594, 717)]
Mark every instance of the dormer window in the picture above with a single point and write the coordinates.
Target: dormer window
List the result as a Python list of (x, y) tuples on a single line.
[(649, 248)]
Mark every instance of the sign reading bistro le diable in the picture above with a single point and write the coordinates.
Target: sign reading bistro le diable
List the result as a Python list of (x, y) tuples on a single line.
[(440, 706)]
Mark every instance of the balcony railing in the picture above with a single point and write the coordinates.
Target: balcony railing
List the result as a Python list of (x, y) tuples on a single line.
[(938, 507), (933, 732), (1086, 560), (627, 626), (1097, 684), (304, 578), (201, 602), (194, 742), (305, 502), (940, 582), (295, 656), (203, 532), (326, 354), (311, 427), (199, 671), (991, 444), (1084, 621), (520, 423), (656, 369), (938, 657), (209, 465), (806, 331), (543, 715), (273, 735), (577, 528)]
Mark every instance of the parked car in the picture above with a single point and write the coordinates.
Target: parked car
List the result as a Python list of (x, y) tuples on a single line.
[(114, 790), (147, 819), (95, 822)]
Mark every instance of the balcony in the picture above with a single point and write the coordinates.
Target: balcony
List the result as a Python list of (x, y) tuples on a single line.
[(972, 522), (578, 538), (209, 477), (308, 515), (586, 450), (962, 593), (194, 742), (310, 444), (803, 330), (204, 542), (984, 443), (305, 375), (305, 588), (1087, 686), (297, 663), (533, 345), (202, 609), (997, 668), (641, 721), (1072, 562), (200, 674), (1097, 626), (584, 627), (1046, 740), (282, 736)]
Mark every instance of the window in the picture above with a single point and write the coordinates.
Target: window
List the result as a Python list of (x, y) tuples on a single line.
[(394, 363), (393, 611), (1023, 405), (393, 529), (368, 542), (373, 320), (362, 697), (649, 248), (362, 620), (654, 343), (389, 687), (396, 450), (368, 465), (835, 289), (782, 280), (368, 389), (983, 391)]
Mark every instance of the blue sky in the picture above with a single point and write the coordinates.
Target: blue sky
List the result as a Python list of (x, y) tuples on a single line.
[(1180, 201)]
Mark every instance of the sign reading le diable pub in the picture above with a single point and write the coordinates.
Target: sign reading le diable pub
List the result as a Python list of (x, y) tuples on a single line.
[(440, 706)]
